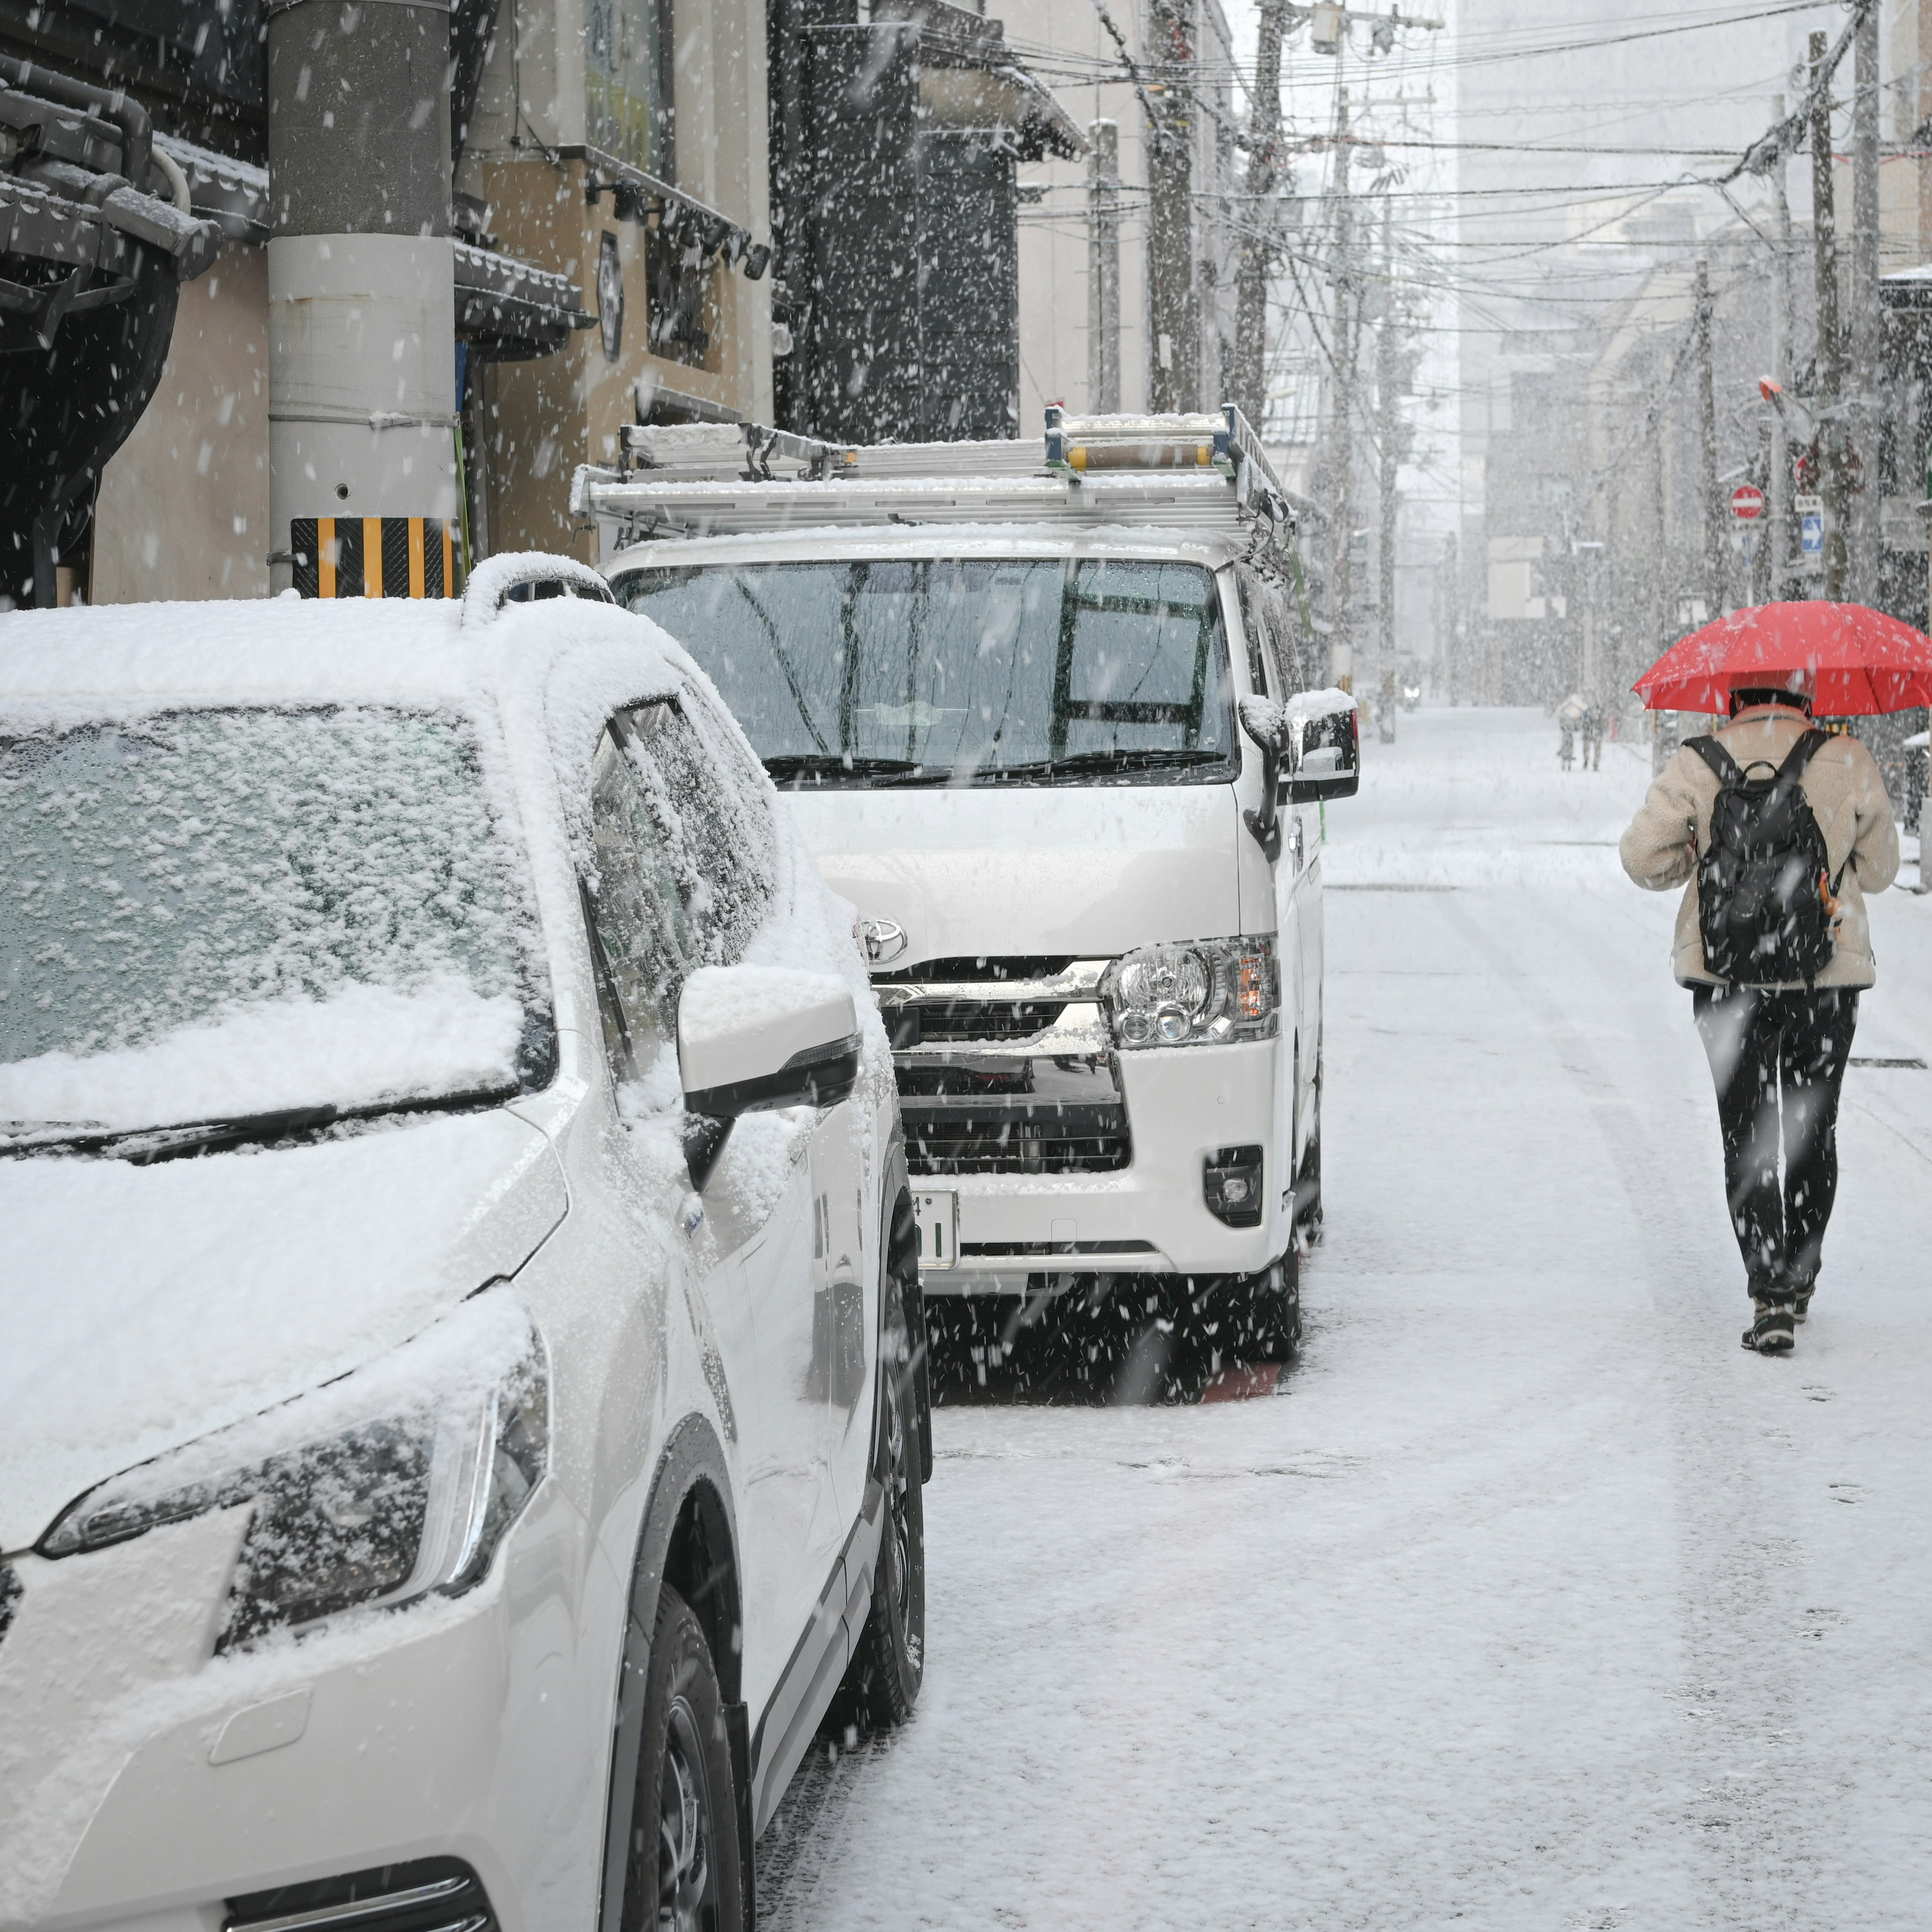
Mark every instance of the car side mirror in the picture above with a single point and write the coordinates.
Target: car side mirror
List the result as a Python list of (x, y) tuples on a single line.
[(753, 1038), (1266, 722), (1328, 755)]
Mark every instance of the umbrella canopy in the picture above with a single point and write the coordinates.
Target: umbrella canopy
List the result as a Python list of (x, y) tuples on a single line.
[(1862, 660)]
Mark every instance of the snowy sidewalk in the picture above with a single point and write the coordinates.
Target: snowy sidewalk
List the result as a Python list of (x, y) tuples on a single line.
[(1531, 1599)]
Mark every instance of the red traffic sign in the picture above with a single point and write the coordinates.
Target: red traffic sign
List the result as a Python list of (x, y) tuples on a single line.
[(1747, 502)]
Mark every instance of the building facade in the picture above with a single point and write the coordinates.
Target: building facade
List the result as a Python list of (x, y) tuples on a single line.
[(621, 144), (1127, 254)]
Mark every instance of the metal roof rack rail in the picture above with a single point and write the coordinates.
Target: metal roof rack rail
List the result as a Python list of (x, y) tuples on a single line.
[(711, 451), (1196, 472)]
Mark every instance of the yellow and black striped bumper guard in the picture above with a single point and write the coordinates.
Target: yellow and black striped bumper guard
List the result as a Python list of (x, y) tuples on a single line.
[(374, 556)]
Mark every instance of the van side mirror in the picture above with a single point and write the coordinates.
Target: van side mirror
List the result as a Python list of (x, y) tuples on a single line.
[(1327, 762), (753, 1038), (1266, 722)]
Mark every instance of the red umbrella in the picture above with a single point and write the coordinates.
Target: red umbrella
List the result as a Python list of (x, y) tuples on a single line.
[(1860, 660)]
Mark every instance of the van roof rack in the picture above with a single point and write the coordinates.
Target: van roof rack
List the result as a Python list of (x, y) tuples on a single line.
[(1190, 472)]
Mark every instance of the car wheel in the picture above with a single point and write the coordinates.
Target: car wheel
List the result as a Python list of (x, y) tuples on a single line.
[(685, 1873), (882, 1682)]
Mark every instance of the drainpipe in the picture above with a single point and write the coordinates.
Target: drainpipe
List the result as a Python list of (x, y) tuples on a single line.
[(362, 485)]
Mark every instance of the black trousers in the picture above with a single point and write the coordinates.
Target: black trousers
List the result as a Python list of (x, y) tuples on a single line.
[(1778, 1060)]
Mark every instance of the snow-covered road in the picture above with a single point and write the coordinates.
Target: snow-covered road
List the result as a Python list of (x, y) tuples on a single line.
[(1531, 1600)]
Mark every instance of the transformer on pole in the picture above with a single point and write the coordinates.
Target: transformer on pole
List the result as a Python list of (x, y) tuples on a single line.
[(363, 489)]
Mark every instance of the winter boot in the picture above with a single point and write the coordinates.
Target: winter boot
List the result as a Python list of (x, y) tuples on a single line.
[(1771, 1334), (1801, 1302)]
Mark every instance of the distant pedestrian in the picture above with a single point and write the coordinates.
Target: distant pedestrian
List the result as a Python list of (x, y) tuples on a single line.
[(1569, 716), (1781, 830), (1593, 737)]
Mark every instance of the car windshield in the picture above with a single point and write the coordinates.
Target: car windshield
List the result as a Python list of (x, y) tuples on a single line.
[(1008, 670), (210, 914)]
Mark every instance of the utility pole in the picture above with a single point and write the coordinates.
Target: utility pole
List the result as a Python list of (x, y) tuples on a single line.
[(1861, 428), (1830, 343), (1103, 269), (1257, 263), (1587, 556), (1777, 536), (1343, 340), (1707, 439), (1176, 374), (1388, 431), (361, 299)]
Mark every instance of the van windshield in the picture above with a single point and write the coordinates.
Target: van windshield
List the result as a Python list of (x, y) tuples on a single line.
[(944, 670)]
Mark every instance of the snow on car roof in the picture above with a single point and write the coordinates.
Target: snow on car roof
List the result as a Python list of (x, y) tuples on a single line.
[(124, 659)]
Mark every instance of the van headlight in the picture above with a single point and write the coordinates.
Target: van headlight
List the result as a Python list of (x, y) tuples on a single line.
[(1205, 992), (395, 1481)]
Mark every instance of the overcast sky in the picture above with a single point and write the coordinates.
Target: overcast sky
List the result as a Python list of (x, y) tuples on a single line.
[(1516, 143)]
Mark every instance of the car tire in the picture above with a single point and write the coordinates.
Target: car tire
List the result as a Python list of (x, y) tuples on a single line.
[(882, 1682), (686, 1870), (1308, 1178), (1262, 1315), (902, 1266)]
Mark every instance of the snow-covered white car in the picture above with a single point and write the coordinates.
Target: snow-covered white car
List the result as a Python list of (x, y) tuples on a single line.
[(459, 1427)]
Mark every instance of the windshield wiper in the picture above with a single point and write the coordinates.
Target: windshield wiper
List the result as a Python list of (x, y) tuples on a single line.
[(1083, 764), (143, 1146), (912, 772), (836, 764)]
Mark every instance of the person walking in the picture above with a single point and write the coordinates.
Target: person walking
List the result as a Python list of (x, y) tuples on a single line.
[(1781, 830), (1593, 736), (1569, 716)]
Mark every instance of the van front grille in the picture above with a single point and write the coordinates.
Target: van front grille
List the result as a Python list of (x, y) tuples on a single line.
[(940, 972), (971, 1020), (960, 1138)]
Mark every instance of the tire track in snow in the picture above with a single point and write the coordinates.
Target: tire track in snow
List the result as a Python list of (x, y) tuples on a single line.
[(1741, 1594)]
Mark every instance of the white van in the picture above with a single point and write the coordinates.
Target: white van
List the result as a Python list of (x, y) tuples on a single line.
[(1044, 718)]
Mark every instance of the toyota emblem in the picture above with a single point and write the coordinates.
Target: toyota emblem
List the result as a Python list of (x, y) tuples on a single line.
[(885, 940)]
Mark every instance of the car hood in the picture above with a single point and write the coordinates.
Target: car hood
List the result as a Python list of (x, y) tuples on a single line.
[(142, 1306), (1090, 870)]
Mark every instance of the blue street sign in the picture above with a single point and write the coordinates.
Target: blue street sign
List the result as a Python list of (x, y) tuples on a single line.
[(1811, 526)]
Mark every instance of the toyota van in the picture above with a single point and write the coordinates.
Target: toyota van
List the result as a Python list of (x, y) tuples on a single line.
[(1047, 718)]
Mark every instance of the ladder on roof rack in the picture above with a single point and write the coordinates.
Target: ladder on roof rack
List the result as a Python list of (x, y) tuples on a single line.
[(1193, 472)]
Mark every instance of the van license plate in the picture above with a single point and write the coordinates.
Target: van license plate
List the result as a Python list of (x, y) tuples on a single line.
[(938, 1216)]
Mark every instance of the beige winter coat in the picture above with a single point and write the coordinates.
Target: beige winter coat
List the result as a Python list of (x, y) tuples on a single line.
[(1843, 788)]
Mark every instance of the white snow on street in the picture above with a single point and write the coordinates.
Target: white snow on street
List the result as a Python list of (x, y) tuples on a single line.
[(1531, 1600)]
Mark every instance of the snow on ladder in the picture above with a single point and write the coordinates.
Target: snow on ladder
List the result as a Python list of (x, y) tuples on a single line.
[(1187, 471)]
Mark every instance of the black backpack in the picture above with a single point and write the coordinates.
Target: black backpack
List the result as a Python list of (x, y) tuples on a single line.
[(1764, 883)]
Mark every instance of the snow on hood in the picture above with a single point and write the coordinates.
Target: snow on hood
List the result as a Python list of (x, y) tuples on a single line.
[(1005, 870), (141, 1307)]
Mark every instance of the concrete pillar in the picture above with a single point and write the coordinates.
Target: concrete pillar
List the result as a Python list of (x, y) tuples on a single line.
[(361, 296)]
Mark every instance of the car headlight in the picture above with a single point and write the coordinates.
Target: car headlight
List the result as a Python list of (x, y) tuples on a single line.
[(397, 1480), (1204, 992)]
